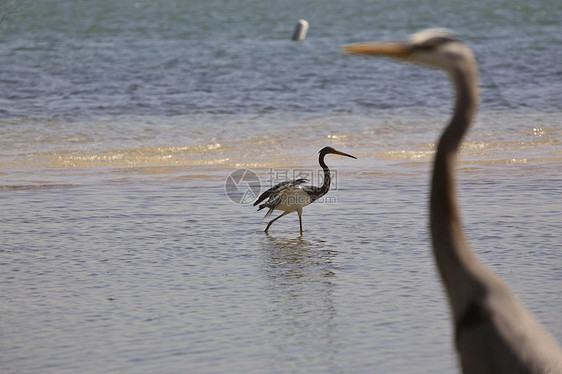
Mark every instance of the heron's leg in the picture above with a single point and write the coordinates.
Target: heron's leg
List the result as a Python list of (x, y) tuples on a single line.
[(275, 219), (299, 211)]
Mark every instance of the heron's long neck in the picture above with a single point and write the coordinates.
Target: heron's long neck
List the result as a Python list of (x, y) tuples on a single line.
[(455, 261), (323, 190)]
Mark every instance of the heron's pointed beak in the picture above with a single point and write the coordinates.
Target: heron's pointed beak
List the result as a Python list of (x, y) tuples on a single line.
[(392, 49), (343, 154)]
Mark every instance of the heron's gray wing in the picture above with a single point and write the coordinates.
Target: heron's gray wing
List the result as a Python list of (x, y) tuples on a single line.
[(273, 191)]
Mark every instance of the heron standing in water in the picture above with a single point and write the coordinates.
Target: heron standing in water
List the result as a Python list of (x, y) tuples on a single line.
[(494, 333), (292, 196)]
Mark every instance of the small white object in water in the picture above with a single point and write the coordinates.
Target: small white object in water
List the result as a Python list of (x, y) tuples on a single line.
[(300, 30)]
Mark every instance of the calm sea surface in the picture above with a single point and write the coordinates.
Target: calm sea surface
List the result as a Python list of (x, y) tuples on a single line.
[(124, 249)]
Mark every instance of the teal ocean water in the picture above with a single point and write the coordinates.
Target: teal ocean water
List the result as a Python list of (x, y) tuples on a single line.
[(120, 123)]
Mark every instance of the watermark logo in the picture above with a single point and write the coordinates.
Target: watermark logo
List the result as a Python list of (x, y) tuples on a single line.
[(242, 186), (315, 176)]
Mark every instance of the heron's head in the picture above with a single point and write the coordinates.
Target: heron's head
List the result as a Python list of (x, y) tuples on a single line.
[(439, 48), (329, 150)]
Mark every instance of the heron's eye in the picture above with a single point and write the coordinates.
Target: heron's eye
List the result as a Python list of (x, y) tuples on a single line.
[(426, 46)]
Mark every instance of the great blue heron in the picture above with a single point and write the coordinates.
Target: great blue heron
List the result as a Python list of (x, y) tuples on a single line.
[(494, 333), (291, 196)]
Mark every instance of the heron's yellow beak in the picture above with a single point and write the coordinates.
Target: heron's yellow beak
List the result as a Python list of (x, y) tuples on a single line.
[(396, 49)]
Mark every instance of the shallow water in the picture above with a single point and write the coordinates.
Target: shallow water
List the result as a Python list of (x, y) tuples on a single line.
[(171, 275), (120, 124)]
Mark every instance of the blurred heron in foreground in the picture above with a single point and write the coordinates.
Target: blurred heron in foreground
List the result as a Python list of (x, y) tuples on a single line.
[(494, 333)]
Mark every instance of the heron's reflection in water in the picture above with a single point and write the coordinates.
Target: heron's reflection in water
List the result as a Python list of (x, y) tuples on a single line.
[(301, 310)]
